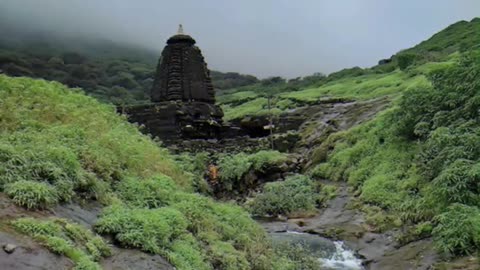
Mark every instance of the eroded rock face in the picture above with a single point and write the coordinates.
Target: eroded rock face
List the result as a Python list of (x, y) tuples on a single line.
[(126, 259), (20, 252)]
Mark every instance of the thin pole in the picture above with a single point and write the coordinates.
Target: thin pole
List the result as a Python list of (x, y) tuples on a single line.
[(270, 124)]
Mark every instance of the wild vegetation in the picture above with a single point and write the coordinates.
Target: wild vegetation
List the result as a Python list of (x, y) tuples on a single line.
[(233, 168), (298, 195), (58, 144), (416, 164), (419, 157), (404, 70), (79, 244)]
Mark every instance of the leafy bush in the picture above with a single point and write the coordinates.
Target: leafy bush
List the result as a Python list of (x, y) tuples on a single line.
[(458, 230), (295, 256), (32, 195), (192, 231), (69, 239), (263, 158), (405, 60), (234, 167), (297, 195), (158, 227), (147, 193)]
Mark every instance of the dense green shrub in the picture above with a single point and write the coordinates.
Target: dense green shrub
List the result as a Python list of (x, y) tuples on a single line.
[(458, 230), (264, 158), (148, 229), (149, 193), (192, 231), (405, 60), (69, 239), (297, 195), (234, 167), (31, 194), (295, 256)]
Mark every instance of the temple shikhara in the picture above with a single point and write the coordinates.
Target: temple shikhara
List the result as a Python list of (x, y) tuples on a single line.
[(182, 73), (182, 96)]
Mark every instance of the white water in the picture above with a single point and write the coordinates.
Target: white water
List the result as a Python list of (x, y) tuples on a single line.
[(342, 259)]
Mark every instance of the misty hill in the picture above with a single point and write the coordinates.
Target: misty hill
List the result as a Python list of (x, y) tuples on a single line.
[(403, 70), (109, 71)]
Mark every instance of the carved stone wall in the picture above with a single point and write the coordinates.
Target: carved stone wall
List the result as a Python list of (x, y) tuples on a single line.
[(183, 98), (172, 120), (182, 73)]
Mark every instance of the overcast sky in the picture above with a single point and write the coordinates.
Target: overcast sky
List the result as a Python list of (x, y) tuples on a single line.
[(262, 37)]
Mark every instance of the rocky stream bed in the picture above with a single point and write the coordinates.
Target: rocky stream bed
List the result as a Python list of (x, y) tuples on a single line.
[(348, 242)]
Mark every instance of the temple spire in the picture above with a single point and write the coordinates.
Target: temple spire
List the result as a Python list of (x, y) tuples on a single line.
[(180, 30)]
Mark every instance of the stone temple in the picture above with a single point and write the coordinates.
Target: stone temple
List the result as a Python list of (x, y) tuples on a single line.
[(182, 73), (182, 96)]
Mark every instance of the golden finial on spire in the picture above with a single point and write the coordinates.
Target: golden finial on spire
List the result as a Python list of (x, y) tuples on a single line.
[(180, 30)]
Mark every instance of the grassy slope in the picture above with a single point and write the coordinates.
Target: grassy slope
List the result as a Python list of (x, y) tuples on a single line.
[(368, 86), (417, 160), (415, 164), (439, 51), (58, 144)]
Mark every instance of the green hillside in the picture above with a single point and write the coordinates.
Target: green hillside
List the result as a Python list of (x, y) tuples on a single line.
[(416, 164), (412, 168), (58, 146), (406, 70)]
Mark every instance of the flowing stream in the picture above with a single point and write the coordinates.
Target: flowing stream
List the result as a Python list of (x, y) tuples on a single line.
[(332, 255)]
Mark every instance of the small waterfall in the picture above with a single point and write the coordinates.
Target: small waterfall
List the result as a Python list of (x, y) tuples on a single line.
[(332, 255), (342, 259)]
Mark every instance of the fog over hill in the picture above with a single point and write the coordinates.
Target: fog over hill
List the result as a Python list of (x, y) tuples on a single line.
[(262, 38)]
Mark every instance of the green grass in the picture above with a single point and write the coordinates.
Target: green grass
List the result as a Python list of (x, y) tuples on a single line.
[(237, 97), (79, 244), (68, 142), (58, 144), (232, 168), (362, 87), (258, 106), (237, 105), (32, 194), (296, 196), (418, 161)]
